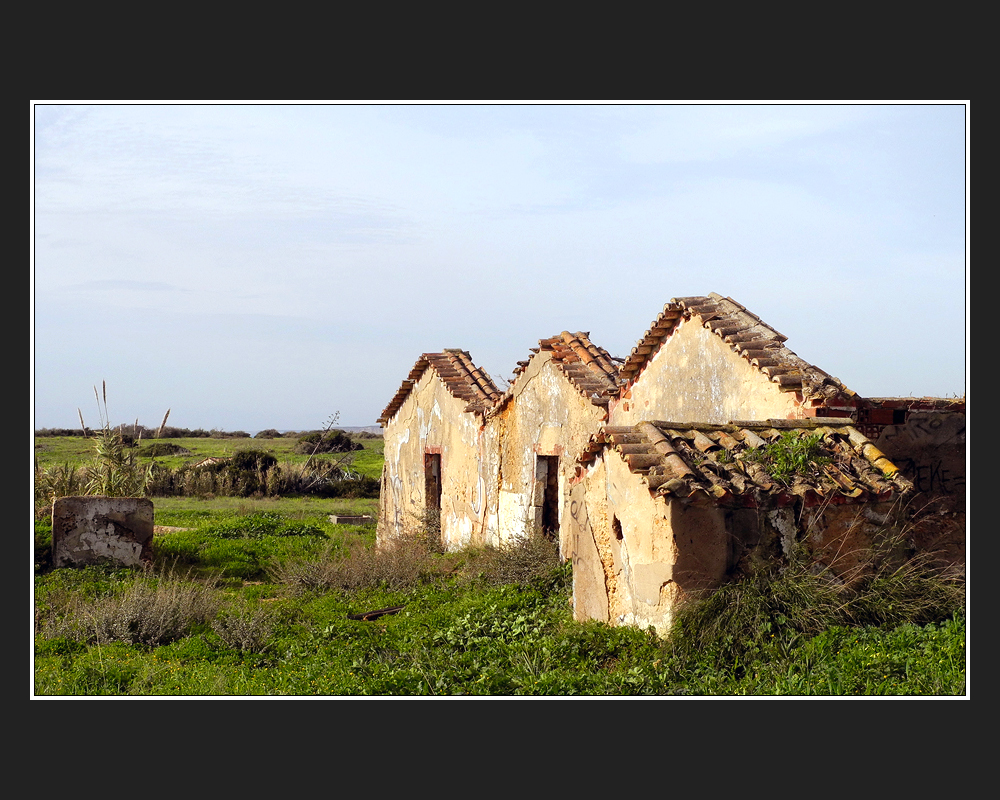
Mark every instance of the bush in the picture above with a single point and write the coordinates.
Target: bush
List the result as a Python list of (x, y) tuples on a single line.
[(256, 526), (115, 470), (401, 564), (530, 560), (147, 611), (244, 628), (62, 480), (775, 607), (155, 449), (330, 442)]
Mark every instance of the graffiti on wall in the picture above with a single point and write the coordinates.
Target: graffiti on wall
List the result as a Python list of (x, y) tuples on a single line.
[(930, 451)]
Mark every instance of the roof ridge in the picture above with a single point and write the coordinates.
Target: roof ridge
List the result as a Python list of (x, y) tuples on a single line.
[(587, 366), (463, 379), (747, 335)]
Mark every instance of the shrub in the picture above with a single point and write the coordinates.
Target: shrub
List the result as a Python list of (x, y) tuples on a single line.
[(401, 564), (146, 611), (525, 561), (155, 449), (244, 628), (776, 606), (63, 480), (115, 470), (258, 525), (334, 441), (789, 455)]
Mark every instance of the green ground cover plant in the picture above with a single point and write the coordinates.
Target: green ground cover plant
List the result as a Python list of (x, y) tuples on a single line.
[(258, 597)]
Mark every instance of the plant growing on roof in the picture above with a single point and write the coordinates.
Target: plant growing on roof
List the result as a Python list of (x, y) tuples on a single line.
[(789, 455)]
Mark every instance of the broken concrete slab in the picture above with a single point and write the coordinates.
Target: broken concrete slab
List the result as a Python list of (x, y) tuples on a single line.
[(341, 519), (96, 529)]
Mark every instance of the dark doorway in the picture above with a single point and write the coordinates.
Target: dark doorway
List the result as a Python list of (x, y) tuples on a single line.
[(432, 481), (547, 494)]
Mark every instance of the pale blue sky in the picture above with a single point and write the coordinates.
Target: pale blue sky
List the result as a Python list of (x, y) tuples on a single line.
[(265, 265)]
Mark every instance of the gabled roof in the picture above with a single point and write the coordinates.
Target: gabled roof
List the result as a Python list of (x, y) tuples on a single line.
[(760, 344), (720, 463), (461, 377), (590, 369)]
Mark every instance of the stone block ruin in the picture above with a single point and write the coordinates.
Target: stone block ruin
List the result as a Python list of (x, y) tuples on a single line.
[(99, 530)]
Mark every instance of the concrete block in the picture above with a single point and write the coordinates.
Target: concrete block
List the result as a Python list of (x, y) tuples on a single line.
[(95, 530)]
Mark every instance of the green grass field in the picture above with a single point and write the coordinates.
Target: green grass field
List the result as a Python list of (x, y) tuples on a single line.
[(255, 597), (77, 451)]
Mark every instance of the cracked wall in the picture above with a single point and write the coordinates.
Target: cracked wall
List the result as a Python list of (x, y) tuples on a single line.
[(432, 421), (545, 418)]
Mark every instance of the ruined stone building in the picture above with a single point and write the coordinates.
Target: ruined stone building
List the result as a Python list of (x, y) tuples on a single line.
[(436, 454), (646, 471)]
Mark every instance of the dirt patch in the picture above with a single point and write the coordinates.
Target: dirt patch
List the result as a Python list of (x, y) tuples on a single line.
[(167, 529)]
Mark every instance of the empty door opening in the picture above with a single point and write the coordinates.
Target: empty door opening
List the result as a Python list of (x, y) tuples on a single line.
[(432, 481), (547, 496)]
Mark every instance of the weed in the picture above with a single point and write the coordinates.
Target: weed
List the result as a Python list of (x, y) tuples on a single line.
[(115, 470), (773, 607), (146, 610), (399, 565), (245, 629), (789, 455), (463, 630), (528, 560), (62, 480), (256, 525)]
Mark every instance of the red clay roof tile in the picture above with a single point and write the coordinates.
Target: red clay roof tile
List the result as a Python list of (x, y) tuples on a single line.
[(589, 368), (700, 462), (456, 370), (746, 334)]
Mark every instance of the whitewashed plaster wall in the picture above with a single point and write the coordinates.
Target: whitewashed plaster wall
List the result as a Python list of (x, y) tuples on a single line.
[(696, 377), (431, 419), (546, 416)]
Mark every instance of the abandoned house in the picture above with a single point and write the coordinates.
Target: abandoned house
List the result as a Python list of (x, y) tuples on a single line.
[(435, 451), (665, 509), (708, 359), (556, 401), (643, 470)]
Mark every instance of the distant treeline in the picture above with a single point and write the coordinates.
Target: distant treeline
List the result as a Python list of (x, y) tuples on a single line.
[(169, 432)]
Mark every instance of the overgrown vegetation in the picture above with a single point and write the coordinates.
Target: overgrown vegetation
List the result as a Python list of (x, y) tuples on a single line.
[(789, 455), (118, 460), (114, 469), (267, 597), (327, 442)]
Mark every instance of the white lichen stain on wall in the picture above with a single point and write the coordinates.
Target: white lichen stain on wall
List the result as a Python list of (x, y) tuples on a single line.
[(107, 543), (783, 521), (547, 416)]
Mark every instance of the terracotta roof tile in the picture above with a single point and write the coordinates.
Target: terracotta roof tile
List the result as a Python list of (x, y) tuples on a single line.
[(589, 368), (463, 379), (760, 344), (715, 463)]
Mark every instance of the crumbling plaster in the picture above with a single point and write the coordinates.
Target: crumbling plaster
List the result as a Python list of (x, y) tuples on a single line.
[(95, 529), (637, 553), (651, 550), (544, 416), (432, 420)]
